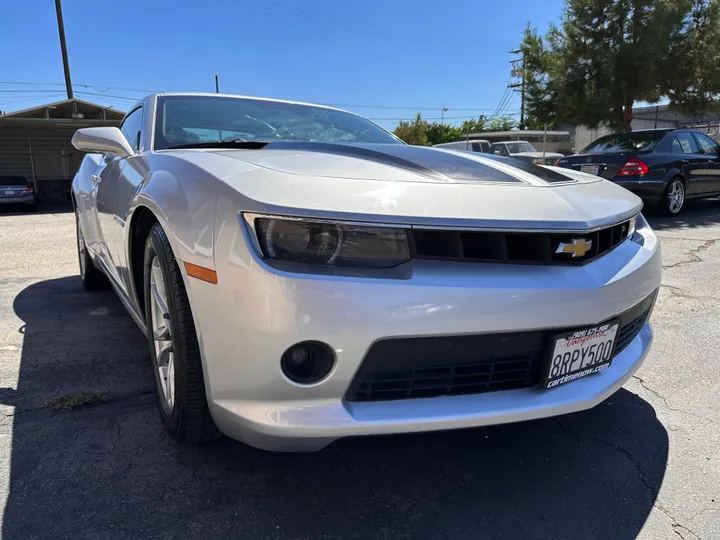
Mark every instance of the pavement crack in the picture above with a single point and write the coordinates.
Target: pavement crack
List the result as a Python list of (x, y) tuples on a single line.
[(693, 256), (665, 401), (678, 528), (624, 451), (117, 400), (680, 292)]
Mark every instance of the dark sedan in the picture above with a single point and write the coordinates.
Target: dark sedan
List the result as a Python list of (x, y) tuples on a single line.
[(664, 167), (14, 190)]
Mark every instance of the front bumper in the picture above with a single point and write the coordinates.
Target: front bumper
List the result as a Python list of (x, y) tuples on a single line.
[(255, 313)]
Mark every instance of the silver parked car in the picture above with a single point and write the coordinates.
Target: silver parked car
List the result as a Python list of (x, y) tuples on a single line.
[(302, 275), (525, 151)]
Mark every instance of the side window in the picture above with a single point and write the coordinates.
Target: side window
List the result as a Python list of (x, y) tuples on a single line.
[(131, 128), (476, 147), (706, 144), (687, 143), (676, 148), (499, 149)]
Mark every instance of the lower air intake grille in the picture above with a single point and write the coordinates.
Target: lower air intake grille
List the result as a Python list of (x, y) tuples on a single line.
[(406, 368)]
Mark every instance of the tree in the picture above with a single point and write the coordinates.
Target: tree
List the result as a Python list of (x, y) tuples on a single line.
[(419, 132), (607, 55), (414, 132), (442, 133)]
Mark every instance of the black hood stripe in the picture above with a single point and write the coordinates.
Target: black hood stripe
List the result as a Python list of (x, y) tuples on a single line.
[(429, 162), (539, 172)]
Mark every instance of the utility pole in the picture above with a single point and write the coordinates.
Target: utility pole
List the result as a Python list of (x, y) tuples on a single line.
[(217, 87), (442, 115), (519, 73), (63, 48)]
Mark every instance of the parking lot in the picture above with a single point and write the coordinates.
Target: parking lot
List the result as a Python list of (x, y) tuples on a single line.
[(646, 463)]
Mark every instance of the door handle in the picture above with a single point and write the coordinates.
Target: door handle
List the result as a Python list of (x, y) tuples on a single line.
[(686, 161)]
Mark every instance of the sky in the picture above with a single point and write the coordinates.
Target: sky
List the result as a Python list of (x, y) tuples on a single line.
[(385, 59)]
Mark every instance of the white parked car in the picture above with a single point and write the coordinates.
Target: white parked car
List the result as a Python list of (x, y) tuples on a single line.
[(475, 145), (302, 275), (525, 151)]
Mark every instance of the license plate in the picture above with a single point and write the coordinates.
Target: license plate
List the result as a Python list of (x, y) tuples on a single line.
[(9, 192), (590, 169), (581, 353)]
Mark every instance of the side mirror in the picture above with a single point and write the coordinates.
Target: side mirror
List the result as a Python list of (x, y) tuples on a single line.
[(102, 140), (497, 152)]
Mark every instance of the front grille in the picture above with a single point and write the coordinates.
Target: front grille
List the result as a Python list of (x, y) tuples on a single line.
[(514, 247), (407, 368)]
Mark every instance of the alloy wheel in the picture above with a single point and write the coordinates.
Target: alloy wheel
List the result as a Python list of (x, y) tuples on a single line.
[(161, 333), (676, 196)]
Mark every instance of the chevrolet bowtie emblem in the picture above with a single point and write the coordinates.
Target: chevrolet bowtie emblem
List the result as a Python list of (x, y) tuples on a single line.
[(578, 247)]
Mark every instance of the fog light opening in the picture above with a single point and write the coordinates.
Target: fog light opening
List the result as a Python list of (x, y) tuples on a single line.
[(307, 362)]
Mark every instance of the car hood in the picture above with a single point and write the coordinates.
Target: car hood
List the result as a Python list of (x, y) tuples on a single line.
[(408, 184)]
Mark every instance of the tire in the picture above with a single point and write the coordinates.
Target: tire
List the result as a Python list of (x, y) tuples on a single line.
[(92, 278), (178, 375), (673, 199)]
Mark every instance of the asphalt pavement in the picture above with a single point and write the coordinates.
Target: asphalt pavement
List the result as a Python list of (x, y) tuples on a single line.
[(644, 464)]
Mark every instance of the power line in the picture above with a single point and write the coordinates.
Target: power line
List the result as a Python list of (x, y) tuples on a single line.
[(34, 98), (93, 86), (392, 107), (406, 118), (27, 91), (132, 99), (503, 99)]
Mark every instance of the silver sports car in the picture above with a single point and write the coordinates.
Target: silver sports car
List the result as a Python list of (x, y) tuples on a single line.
[(302, 275)]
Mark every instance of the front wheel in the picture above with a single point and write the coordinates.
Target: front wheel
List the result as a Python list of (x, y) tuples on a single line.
[(674, 197), (174, 348)]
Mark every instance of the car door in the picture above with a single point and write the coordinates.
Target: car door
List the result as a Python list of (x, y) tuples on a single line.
[(107, 186), (86, 198), (710, 150), (692, 162), (126, 179)]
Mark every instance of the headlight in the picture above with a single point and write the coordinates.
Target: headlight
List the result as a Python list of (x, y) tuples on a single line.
[(331, 244)]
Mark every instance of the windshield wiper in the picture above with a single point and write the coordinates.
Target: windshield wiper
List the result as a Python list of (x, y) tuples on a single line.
[(235, 143)]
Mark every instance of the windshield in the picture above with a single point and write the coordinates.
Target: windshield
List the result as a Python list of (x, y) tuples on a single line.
[(12, 181), (187, 120), (624, 142), (519, 147)]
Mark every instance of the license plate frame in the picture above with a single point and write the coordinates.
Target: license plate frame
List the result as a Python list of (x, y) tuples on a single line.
[(9, 192), (597, 341), (590, 169)]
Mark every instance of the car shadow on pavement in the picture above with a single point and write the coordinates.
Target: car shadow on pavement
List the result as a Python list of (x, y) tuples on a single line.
[(109, 471), (696, 213)]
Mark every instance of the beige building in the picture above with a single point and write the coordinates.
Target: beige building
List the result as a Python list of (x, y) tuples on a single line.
[(35, 143)]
